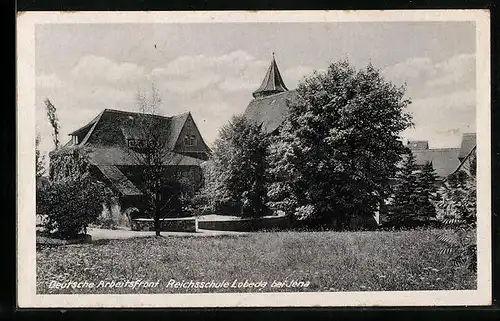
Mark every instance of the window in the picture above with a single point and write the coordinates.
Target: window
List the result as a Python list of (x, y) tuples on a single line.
[(75, 140), (136, 143), (140, 143), (189, 140)]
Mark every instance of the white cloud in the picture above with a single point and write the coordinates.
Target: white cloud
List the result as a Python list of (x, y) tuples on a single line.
[(293, 76), (49, 81), (410, 69), (212, 88), (188, 85), (426, 78), (442, 119), (457, 101), (231, 72), (443, 95), (101, 70), (233, 84), (459, 69), (192, 65)]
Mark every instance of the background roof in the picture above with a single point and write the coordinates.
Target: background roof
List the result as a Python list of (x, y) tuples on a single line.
[(468, 142), (444, 160)]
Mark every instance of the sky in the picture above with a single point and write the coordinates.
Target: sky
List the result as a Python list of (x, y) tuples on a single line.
[(211, 69)]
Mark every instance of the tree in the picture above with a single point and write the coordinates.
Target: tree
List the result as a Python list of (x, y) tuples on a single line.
[(456, 209), (236, 174), (39, 158), (161, 185), (54, 122), (427, 191), (414, 194), (213, 197), (339, 146), (71, 204), (406, 195), (458, 199)]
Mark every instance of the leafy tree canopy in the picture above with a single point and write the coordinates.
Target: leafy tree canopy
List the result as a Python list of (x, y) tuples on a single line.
[(339, 146), (235, 176)]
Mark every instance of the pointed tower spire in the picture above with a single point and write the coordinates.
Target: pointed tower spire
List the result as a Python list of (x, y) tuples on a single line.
[(272, 83)]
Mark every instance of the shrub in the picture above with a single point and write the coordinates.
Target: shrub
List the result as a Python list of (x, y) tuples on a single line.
[(457, 204), (70, 205), (457, 209)]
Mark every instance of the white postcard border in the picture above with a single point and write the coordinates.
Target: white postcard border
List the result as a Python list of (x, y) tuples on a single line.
[(26, 227)]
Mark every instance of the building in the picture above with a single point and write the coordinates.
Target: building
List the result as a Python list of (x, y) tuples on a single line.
[(445, 161), (270, 104), (109, 144), (270, 108)]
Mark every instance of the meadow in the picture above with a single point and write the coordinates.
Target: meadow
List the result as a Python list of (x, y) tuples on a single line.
[(327, 261)]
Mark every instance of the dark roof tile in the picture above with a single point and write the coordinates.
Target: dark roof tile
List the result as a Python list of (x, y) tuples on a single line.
[(444, 160), (119, 180), (272, 82), (270, 111), (115, 155)]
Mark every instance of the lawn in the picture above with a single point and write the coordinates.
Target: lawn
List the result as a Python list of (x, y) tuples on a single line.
[(327, 261)]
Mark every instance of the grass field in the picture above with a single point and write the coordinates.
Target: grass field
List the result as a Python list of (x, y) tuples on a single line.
[(329, 261)]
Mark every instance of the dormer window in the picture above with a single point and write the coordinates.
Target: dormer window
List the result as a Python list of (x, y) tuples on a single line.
[(189, 140)]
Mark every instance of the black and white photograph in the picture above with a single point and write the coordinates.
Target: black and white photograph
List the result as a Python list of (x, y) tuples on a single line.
[(253, 159)]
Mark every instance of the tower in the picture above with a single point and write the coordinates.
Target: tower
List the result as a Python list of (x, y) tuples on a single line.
[(272, 83)]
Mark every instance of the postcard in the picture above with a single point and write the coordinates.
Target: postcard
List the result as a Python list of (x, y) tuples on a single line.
[(253, 159)]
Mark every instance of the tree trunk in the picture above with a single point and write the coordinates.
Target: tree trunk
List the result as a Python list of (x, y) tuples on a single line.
[(157, 220), (157, 225)]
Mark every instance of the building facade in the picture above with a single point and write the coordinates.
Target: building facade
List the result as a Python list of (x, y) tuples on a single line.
[(109, 148)]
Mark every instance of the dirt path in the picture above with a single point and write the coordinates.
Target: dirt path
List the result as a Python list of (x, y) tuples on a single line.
[(104, 234)]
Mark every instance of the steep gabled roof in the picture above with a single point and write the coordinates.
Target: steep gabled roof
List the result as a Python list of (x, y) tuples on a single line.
[(119, 180), (119, 124), (177, 123), (468, 143), (272, 83), (270, 111), (465, 164)]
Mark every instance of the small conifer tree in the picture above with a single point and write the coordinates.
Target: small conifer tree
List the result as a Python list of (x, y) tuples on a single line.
[(427, 192), (406, 196)]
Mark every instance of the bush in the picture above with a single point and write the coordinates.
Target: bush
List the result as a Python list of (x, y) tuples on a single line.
[(457, 204), (70, 205), (457, 210)]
